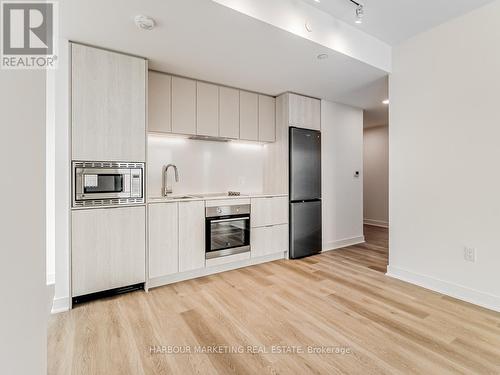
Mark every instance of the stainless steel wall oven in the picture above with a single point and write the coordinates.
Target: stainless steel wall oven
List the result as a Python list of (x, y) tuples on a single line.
[(107, 183), (227, 230)]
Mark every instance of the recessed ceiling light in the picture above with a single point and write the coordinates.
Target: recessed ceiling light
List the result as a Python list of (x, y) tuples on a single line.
[(318, 1), (386, 102), (144, 22), (322, 56)]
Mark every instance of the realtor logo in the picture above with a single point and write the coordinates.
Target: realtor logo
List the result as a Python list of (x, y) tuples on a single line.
[(28, 35)]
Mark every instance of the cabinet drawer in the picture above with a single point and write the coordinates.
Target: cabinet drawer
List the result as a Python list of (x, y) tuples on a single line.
[(269, 211), (268, 240)]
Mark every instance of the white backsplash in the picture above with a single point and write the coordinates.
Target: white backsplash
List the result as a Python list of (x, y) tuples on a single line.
[(205, 166)]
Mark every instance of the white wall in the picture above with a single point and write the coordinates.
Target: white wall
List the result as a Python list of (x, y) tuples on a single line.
[(60, 107), (444, 158), (342, 156), (376, 176), (24, 294), (205, 166)]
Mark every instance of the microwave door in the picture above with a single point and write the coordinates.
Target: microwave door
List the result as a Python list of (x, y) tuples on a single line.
[(104, 183)]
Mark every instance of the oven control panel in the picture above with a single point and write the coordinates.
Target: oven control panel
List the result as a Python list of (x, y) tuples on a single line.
[(227, 210)]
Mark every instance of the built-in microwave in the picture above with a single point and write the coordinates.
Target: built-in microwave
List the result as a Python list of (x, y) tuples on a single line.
[(107, 183)]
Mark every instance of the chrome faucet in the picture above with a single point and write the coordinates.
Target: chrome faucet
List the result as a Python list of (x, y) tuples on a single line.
[(168, 190)]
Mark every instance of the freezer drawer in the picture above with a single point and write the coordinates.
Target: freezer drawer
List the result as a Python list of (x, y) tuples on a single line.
[(305, 229)]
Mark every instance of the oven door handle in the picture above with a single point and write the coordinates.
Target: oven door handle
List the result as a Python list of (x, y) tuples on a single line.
[(233, 219)]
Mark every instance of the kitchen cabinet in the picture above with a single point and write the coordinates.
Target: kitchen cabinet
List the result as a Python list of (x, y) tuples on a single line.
[(304, 112), (269, 228), (249, 116), (269, 240), (207, 109), (108, 105), (191, 235), (108, 248), (267, 118), (183, 106), (159, 102), (163, 239), (269, 211), (229, 113)]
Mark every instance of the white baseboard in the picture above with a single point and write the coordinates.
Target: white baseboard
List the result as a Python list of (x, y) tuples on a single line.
[(460, 292), (60, 305), (376, 223), (334, 245)]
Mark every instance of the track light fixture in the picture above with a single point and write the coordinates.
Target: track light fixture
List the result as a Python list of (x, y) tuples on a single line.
[(360, 11)]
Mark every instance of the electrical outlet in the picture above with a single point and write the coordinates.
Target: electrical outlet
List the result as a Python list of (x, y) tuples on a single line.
[(469, 254)]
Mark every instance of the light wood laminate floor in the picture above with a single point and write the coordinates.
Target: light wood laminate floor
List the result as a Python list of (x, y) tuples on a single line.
[(340, 300)]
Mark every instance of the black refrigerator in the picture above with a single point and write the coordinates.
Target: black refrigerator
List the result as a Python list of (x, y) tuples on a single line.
[(305, 192)]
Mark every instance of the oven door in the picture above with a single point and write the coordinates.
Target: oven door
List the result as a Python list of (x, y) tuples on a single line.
[(227, 235), (101, 183)]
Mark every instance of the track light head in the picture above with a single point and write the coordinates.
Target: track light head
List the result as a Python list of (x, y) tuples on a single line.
[(360, 12)]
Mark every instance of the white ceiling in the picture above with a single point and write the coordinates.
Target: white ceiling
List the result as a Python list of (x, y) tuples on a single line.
[(205, 40), (393, 21)]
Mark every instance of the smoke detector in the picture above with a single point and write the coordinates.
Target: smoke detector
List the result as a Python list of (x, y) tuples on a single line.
[(144, 22)]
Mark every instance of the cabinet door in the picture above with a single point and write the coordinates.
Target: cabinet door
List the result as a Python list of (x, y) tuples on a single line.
[(183, 106), (304, 112), (191, 235), (229, 113), (207, 109), (159, 102), (163, 239), (269, 211), (268, 240), (108, 248), (108, 101), (296, 113), (267, 118), (249, 119), (313, 114)]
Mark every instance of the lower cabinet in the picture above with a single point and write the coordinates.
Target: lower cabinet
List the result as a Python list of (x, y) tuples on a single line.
[(163, 239), (108, 248), (269, 240), (191, 235)]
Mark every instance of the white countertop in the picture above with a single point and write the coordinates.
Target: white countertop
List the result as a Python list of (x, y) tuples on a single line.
[(194, 197)]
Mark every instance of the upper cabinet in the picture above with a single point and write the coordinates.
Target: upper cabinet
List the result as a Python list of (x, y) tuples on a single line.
[(108, 105), (183, 106), (249, 116), (267, 118), (229, 113), (189, 107), (207, 109), (304, 112), (159, 102)]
